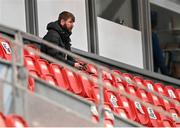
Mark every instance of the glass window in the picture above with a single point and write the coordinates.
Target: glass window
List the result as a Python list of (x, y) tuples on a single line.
[(119, 11), (118, 39), (166, 25), (12, 14), (48, 11)]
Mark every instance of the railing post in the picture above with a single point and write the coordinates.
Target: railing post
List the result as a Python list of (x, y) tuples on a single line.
[(17, 57), (101, 97)]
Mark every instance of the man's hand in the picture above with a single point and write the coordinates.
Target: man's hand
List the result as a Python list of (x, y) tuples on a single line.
[(80, 66)]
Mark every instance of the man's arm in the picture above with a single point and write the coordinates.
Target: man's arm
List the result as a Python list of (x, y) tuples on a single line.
[(54, 38)]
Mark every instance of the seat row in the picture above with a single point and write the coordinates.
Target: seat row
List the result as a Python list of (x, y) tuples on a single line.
[(61, 77), (12, 121)]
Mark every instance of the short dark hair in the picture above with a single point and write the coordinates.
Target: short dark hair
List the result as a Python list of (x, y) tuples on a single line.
[(66, 15)]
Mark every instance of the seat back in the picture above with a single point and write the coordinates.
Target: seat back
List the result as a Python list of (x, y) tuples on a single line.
[(5, 49)]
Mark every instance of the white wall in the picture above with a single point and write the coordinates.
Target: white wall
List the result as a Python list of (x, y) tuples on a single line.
[(120, 43), (48, 11), (12, 14)]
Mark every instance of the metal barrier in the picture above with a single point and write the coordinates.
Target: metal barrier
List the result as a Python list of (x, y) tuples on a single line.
[(18, 82)]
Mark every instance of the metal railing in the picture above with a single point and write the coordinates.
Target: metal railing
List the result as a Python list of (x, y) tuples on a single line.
[(19, 43)]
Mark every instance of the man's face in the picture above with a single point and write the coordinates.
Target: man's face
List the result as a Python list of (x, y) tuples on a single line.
[(68, 24)]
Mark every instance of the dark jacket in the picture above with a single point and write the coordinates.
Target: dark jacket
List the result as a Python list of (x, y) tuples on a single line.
[(159, 61), (60, 37)]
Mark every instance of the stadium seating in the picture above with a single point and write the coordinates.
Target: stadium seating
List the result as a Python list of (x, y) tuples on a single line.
[(5, 49), (15, 121), (56, 70), (12, 121), (177, 91), (92, 69), (141, 112), (31, 82), (2, 120), (114, 102), (86, 86), (30, 63), (30, 53), (72, 80), (43, 66)]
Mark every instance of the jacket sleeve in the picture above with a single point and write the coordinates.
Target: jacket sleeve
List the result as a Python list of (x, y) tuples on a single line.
[(54, 38), (71, 59)]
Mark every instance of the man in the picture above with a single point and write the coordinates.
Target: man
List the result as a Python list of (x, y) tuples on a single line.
[(159, 62), (59, 34)]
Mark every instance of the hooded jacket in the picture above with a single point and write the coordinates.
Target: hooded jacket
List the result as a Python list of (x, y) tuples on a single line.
[(60, 37)]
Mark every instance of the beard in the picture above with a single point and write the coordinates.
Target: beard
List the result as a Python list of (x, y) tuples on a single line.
[(67, 29)]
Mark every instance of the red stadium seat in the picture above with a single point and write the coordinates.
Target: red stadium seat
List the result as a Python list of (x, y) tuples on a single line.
[(149, 84), (50, 79), (30, 53), (124, 103), (108, 83), (165, 121), (87, 86), (2, 120), (168, 105), (74, 84), (177, 91), (170, 91), (159, 88), (118, 79), (30, 63), (175, 116), (138, 80), (120, 86), (153, 116), (107, 76), (5, 49), (94, 77), (94, 111), (43, 66), (95, 115), (31, 82), (141, 112), (108, 116), (95, 94), (128, 77), (91, 69), (142, 94), (154, 99), (15, 121), (122, 112), (111, 98), (55, 70)]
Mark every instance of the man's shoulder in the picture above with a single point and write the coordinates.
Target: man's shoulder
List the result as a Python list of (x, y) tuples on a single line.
[(52, 33)]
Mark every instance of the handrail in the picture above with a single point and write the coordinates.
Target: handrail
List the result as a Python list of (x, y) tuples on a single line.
[(128, 68), (100, 81)]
